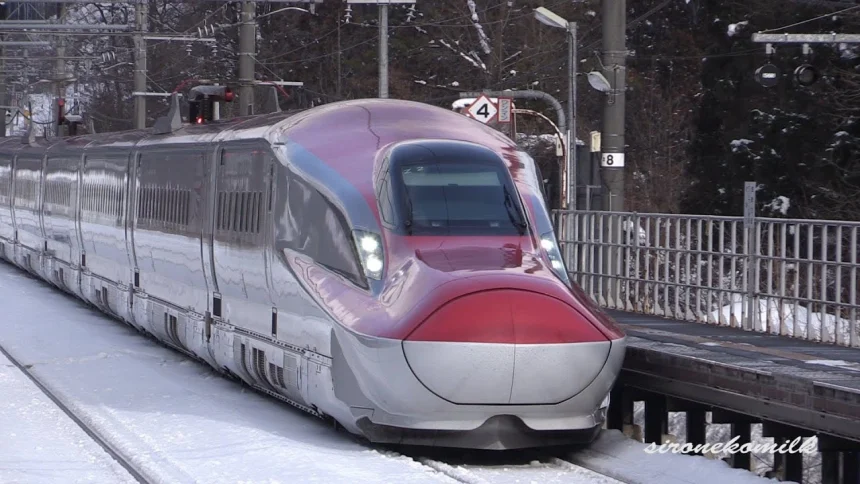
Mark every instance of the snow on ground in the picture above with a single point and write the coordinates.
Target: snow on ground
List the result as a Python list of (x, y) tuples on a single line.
[(40, 443), (179, 421)]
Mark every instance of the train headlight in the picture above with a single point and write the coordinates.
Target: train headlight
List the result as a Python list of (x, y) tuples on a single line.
[(370, 252), (550, 247)]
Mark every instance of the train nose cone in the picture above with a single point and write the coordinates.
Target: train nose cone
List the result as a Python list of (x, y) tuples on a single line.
[(506, 347)]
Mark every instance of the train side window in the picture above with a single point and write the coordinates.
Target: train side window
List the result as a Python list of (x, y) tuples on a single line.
[(319, 230), (5, 178), (168, 205), (241, 183)]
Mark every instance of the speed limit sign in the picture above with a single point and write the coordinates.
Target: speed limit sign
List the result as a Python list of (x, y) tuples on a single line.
[(612, 160)]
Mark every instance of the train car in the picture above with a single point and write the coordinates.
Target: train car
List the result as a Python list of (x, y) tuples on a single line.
[(385, 264)]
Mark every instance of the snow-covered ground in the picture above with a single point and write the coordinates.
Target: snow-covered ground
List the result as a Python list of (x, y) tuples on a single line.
[(179, 422), (64, 453)]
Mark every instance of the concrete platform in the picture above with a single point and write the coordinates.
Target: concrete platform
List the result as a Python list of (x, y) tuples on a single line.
[(809, 385)]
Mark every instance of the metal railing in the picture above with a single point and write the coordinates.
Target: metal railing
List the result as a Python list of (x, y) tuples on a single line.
[(791, 277)]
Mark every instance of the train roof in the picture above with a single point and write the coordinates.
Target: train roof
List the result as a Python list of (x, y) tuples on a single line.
[(351, 121)]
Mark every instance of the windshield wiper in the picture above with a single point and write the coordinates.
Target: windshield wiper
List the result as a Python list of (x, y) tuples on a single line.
[(509, 206)]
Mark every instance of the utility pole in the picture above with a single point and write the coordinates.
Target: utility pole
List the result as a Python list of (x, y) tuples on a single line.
[(247, 54), (615, 71), (612, 139), (339, 63), (383, 51), (140, 21), (572, 145), (3, 16), (383, 38), (60, 72)]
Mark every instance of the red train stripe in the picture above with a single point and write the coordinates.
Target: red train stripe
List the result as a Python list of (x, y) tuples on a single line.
[(507, 316)]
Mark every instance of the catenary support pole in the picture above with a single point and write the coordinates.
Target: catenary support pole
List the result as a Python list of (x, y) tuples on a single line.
[(612, 141), (615, 71), (571, 115), (141, 12), (383, 51), (3, 78), (247, 53), (60, 74)]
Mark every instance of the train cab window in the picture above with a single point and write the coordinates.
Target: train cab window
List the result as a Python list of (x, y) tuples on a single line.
[(318, 229), (455, 193), (386, 211)]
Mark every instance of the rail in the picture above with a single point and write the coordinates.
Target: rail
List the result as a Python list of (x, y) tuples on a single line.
[(790, 277)]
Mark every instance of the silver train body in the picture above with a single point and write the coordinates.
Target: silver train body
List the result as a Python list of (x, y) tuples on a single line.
[(181, 237)]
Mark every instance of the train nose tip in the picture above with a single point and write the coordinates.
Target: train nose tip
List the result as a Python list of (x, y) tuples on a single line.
[(497, 347)]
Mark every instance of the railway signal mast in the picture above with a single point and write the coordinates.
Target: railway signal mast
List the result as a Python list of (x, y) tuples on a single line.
[(805, 74)]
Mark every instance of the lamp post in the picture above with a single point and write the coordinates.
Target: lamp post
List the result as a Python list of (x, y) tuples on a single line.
[(547, 17)]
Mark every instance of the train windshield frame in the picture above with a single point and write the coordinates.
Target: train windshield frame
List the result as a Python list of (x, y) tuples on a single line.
[(466, 192)]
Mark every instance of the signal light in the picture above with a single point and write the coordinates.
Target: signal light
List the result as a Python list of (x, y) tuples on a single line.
[(61, 115), (202, 99), (806, 75), (767, 75)]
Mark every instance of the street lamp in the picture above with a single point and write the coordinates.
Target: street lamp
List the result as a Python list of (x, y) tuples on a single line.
[(547, 17)]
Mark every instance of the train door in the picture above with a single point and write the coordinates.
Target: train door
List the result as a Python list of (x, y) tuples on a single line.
[(131, 190), (238, 236), (59, 220), (7, 229), (171, 292), (212, 162), (78, 183), (27, 202)]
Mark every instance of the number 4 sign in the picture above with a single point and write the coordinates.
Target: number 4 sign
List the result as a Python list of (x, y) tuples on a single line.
[(612, 160), (483, 109)]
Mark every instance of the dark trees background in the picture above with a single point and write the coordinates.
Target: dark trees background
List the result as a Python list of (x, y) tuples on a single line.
[(698, 125)]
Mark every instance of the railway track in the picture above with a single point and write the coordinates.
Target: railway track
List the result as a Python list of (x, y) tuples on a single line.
[(148, 462), (477, 467), (471, 467), (104, 443)]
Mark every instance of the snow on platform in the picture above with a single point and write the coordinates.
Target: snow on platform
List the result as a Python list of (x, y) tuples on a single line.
[(615, 455), (41, 444), (176, 420)]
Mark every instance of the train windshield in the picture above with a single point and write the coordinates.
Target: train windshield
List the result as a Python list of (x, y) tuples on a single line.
[(456, 197)]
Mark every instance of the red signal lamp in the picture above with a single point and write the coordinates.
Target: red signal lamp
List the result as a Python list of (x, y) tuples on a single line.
[(228, 95), (61, 115)]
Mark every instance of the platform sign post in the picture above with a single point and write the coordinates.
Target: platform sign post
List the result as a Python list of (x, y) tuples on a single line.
[(484, 110), (505, 117), (505, 110)]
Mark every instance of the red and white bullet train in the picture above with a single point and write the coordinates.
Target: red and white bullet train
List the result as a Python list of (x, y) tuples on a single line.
[(387, 264)]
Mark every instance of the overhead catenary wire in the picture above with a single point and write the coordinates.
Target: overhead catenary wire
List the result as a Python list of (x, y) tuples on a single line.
[(811, 20)]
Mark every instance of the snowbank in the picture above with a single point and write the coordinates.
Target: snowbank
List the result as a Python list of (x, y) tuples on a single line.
[(783, 317), (618, 456)]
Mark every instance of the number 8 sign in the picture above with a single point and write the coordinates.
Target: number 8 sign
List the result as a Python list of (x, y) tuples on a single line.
[(612, 160)]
